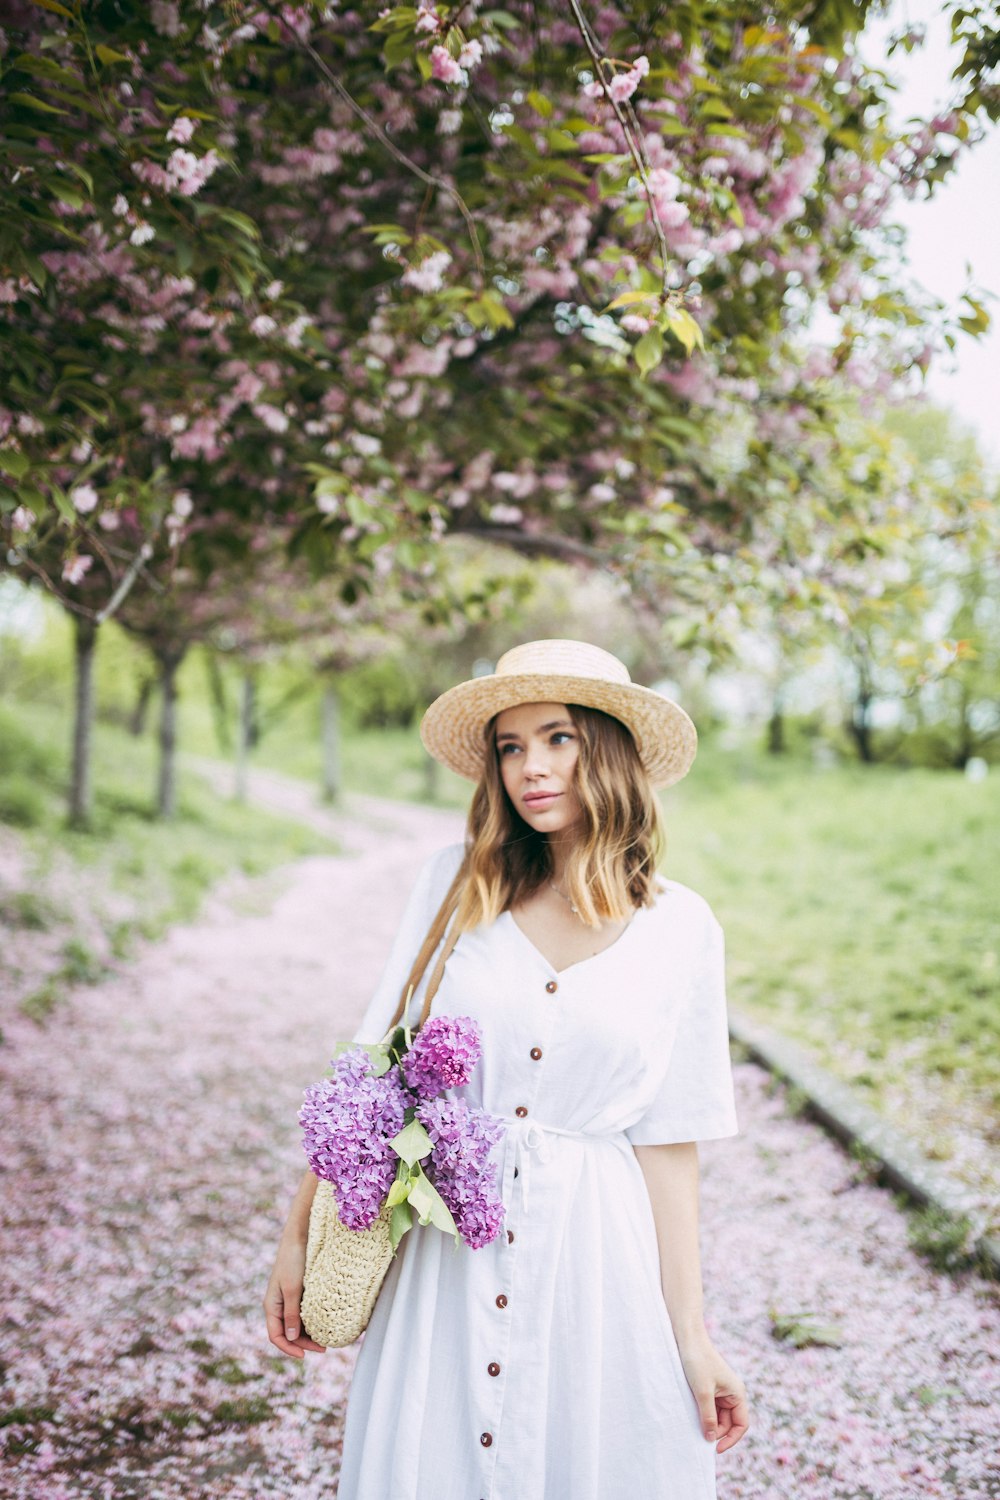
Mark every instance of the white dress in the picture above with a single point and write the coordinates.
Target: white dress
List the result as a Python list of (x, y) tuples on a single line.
[(544, 1366)]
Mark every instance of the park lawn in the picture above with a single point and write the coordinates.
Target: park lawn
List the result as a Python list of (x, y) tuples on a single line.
[(860, 912), (72, 901)]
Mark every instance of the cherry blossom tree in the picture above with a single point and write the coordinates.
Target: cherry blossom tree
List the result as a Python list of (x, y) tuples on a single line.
[(516, 272)]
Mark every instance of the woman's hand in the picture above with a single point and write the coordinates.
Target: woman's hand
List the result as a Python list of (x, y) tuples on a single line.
[(719, 1392), (282, 1298)]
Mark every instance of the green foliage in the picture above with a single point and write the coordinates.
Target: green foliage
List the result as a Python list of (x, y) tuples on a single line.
[(943, 1239), (28, 909), (804, 1330), (22, 802), (243, 1411), (161, 870)]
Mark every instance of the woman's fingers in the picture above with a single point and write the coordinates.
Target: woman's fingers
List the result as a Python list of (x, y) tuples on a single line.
[(734, 1420), (284, 1323), (293, 1325)]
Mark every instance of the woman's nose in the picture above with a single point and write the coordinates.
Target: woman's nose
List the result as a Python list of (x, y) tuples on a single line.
[(535, 761)]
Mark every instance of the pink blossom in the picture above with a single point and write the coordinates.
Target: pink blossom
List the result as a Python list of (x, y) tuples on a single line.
[(623, 86), (634, 322), (427, 18), (471, 55), (165, 17), (182, 129), (272, 418), (445, 68), (76, 566), (22, 519), (427, 274), (84, 498)]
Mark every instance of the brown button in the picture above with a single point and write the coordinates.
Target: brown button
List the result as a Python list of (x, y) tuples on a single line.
[(536, 1053), (510, 1236), (486, 1439), (493, 1369), (521, 1111), (551, 987), (501, 1300)]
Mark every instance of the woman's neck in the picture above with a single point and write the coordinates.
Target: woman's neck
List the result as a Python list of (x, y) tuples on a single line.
[(559, 852)]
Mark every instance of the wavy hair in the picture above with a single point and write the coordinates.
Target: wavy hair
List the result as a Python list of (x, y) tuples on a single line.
[(612, 868)]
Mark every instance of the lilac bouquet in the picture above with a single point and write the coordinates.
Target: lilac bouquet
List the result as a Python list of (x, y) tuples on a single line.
[(381, 1130)]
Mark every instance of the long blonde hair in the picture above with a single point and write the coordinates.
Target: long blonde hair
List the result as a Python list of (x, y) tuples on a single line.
[(610, 872), (612, 868)]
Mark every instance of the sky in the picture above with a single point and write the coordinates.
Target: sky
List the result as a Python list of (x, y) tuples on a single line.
[(958, 226)]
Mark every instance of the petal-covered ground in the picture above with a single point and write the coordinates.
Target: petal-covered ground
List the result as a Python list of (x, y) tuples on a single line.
[(149, 1152)]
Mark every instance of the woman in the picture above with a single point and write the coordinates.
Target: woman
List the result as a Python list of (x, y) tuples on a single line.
[(568, 1359)]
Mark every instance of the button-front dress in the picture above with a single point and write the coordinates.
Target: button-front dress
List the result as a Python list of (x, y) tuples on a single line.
[(544, 1365)]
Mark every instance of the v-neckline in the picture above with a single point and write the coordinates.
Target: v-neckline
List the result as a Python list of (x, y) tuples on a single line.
[(580, 961)]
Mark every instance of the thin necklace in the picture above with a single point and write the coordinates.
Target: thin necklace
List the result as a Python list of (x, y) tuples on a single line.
[(569, 902)]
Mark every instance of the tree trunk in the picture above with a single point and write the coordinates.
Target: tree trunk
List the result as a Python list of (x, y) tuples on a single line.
[(776, 724), (166, 790), (861, 730), (217, 697), (83, 719), (331, 744), (244, 735), (137, 718)]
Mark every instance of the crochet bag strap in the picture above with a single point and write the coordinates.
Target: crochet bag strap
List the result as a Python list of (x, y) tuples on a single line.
[(437, 930)]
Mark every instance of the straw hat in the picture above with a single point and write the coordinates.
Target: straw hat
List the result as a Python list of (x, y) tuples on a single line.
[(559, 672)]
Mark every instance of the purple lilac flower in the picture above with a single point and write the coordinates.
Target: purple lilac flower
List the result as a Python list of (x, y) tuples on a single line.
[(444, 1053), (347, 1123), (463, 1136)]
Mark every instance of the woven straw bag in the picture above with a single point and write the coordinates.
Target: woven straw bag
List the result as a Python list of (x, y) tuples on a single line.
[(345, 1268)]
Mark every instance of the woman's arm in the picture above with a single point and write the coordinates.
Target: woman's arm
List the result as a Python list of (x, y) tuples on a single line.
[(284, 1289), (671, 1173)]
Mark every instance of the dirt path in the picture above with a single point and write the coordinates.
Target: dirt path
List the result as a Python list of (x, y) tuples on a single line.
[(149, 1151)]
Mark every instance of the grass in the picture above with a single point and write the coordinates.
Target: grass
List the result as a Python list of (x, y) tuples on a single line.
[(130, 872), (859, 909)]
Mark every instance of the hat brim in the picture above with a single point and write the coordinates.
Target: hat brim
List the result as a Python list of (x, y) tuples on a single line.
[(452, 727)]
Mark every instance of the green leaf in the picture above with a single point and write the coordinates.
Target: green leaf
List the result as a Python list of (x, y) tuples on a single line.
[(109, 55), (629, 299), (683, 326), (412, 1143), (14, 462), (55, 7), (34, 103), (428, 1204), (648, 352), (232, 216), (399, 1192), (400, 1220), (803, 1329), (44, 67), (539, 103)]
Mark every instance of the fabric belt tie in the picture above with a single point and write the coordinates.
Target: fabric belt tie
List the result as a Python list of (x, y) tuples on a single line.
[(525, 1137)]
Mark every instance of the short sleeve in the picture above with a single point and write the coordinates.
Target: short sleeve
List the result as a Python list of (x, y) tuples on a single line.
[(695, 1100), (429, 889)]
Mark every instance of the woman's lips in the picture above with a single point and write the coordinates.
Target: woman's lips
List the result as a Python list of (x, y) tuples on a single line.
[(541, 800)]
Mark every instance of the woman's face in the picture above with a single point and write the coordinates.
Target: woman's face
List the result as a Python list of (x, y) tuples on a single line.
[(538, 746)]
